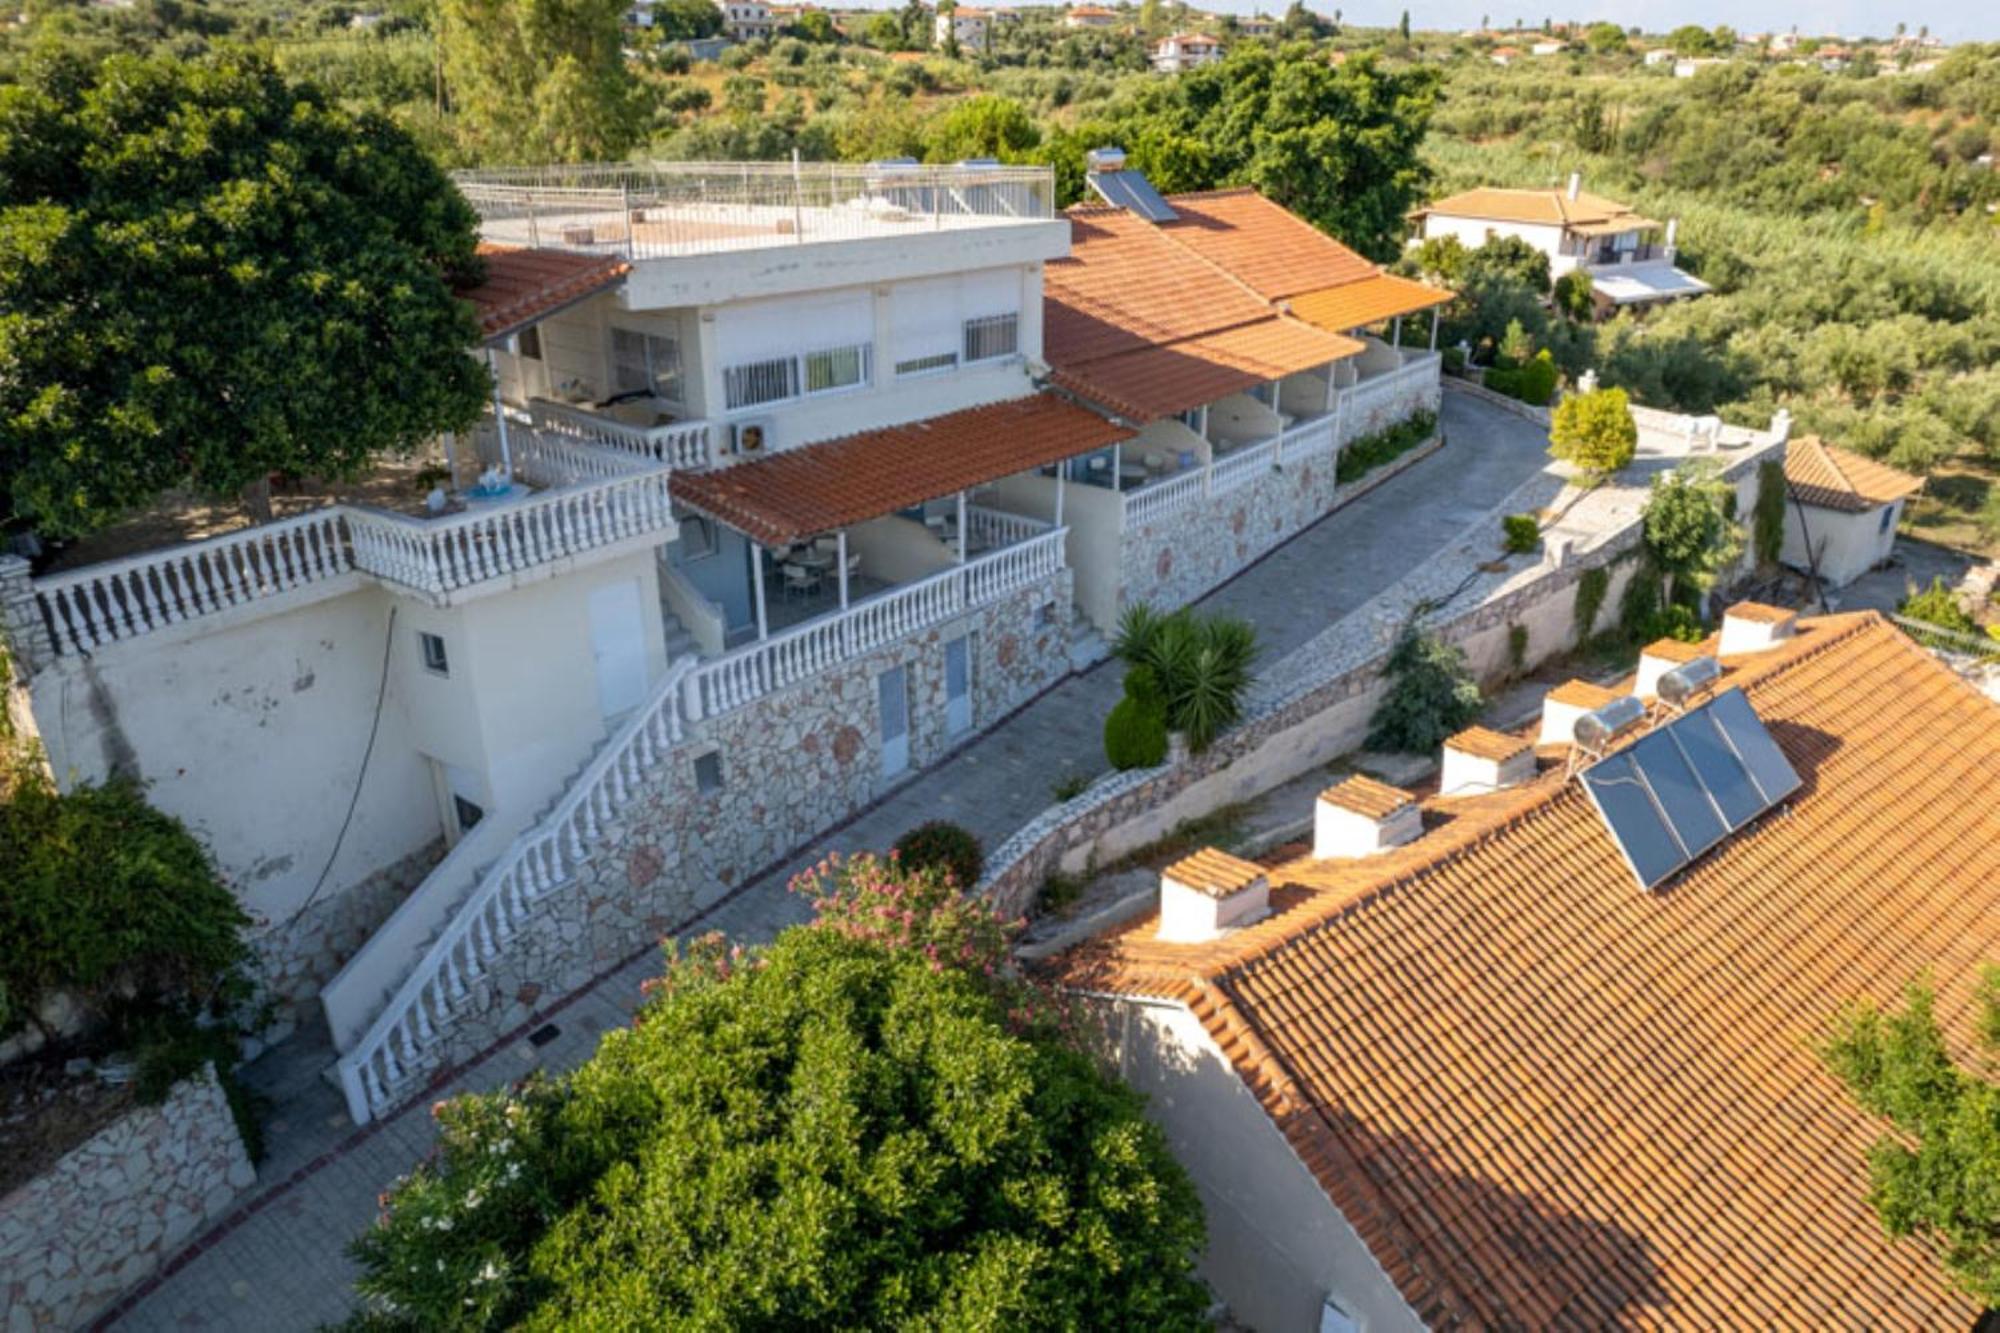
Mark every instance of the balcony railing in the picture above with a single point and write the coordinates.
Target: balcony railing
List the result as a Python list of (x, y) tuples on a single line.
[(597, 500), (686, 445), (757, 669), (666, 209)]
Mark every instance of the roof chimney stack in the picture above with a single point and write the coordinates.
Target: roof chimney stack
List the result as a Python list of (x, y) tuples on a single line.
[(1208, 893), (1360, 817), (1751, 627), (1575, 183), (1564, 704), (1480, 759)]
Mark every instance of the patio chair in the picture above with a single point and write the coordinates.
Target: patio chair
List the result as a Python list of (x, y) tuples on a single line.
[(802, 581)]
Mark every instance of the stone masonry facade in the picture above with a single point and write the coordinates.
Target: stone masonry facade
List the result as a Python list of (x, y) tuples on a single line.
[(1316, 702), (792, 765), (81, 1234)]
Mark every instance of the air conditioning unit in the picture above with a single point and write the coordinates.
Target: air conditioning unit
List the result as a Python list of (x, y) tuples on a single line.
[(749, 438)]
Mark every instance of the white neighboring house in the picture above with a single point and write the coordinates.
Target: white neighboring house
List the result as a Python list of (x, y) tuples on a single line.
[(1843, 520), (1630, 259), (1090, 16), (1547, 47), (972, 27), (1659, 55), (746, 20), (1257, 25), (1184, 51)]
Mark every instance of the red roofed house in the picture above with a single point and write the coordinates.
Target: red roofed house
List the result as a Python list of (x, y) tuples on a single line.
[(1842, 519), (1183, 51), (1458, 1067)]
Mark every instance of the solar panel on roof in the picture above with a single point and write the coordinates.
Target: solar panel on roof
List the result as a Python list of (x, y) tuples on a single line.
[(1681, 790), (1132, 192), (1648, 845)]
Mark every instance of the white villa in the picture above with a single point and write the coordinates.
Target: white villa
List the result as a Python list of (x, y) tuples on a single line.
[(796, 478), (746, 20), (1091, 16), (1185, 51), (972, 27), (1630, 259), (1842, 519)]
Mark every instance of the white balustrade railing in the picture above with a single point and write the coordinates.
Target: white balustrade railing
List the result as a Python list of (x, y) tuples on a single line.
[(549, 458), (1163, 497), (1357, 401), (770, 664), (1241, 467), (999, 527), (1226, 474), (402, 1042), (122, 599), (687, 445)]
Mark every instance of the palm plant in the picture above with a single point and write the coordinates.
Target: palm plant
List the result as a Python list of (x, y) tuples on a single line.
[(1201, 663)]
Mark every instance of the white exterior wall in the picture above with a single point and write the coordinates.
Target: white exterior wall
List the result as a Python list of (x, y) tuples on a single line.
[(1847, 545), (1475, 232), (1277, 1247)]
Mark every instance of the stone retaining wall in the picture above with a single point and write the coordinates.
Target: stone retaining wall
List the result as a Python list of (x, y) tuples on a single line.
[(792, 765), (1316, 703), (77, 1237)]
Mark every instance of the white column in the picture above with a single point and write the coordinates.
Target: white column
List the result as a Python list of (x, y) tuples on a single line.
[(1060, 469), (840, 554), (1117, 462), (1435, 310), (1396, 332), (757, 589), (961, 527), (1332, 392), (500, 416)]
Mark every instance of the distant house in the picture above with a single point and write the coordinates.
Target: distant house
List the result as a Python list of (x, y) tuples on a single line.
[(1467, 1066), (971, 27), (1185, 51), (1629, 261), (1090, 16), (1547, 48), (1659, 55), (1843, 523), (1257, 25), (746, 20), (1505, 55)]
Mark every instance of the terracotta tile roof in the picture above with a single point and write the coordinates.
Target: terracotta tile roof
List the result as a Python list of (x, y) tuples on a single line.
[(1674, 650), (522, 285), (1551, 206), (1545, 1099), (1369, 301), (1365, 796), (1486, 743), (1582, 694), (1834, 478), (1274, 252), (1761, 612), (806, 491), (1214, 872)]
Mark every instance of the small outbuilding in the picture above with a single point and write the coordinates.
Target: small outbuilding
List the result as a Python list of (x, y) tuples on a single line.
[(1844, 508)]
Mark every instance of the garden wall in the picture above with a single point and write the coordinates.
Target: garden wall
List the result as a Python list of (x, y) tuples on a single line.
[(104, 1217)]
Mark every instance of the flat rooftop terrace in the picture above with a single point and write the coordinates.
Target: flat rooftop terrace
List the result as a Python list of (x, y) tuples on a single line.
[(674, 209)]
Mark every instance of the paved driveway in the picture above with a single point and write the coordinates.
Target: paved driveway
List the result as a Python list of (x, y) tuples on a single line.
[(281, 1263)]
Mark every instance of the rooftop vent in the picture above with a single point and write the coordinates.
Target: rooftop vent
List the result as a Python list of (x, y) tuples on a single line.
[(1210, 892), (1656, 659), (1479, 759), (1360, 817), (1564, 704), (1751, 627)]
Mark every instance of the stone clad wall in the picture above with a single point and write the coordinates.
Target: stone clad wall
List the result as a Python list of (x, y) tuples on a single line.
[(794, 764), (103, 1218)]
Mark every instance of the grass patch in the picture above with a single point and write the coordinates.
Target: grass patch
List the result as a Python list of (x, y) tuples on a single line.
[(1947, 510)]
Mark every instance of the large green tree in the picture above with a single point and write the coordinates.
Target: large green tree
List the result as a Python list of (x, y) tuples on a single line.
[(863, 1126), (208, 274), (536, 81), (1936, 1172), (1688, 525)]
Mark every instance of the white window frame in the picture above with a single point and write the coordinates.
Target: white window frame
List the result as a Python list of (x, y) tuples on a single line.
[(981, 325), (792, 373), (660, 365), (432, 652)]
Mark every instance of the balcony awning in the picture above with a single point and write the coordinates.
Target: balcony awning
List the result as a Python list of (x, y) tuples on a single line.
[(524, 286), (815, 489), (1356, 305), (1162, 380), (1615, 226)]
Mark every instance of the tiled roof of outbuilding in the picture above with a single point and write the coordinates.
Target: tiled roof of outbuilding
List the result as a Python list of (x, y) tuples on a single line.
[(523, 286), (1834, 478), (1545, 1098)]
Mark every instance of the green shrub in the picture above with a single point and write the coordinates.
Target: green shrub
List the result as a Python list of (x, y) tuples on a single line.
[(1935, 605), (1431, 696), (1135, 734), (1364, 455), (1572, 296), (1522, 532), (1454, 360), (1639, 605), (1594, 432), (1591, 591), (1070, 786), (942, 845), (1199, 666), (1768, 521), (1517, 650), (1534, 382), (867, 1124)]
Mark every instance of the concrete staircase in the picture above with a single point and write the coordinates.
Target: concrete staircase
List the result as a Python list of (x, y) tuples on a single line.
[(1087, 646), (680, 643)]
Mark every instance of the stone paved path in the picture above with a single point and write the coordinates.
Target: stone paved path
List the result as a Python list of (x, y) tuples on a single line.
[(282, 1264)]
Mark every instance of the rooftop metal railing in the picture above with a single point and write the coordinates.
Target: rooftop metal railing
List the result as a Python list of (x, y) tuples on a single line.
[(663, 209)]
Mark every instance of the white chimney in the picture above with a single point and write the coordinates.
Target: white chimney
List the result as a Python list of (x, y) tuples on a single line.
[(1360, 817), (1208, 893), (1480, 759), (1575, 183), (1781, 425), (1564, 704), (1673, 228), (1751, 627), (1656, 659)]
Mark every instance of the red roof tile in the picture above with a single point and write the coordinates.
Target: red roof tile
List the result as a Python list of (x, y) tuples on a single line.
[(1274, 252), (1544, 1098), (803, 492), (1834, 478), (523, 286)]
